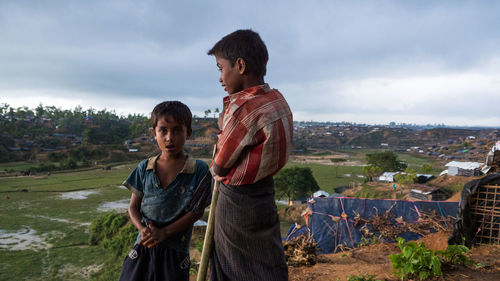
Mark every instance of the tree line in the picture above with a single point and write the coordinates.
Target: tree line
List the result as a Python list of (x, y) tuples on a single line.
[(95, 126), (51, 127)]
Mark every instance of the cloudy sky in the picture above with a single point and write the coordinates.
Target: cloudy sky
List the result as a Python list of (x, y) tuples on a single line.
[(373, 62)]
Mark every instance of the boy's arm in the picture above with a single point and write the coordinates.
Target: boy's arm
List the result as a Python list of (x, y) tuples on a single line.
[(134, 210), (233, 139), (160, 234)]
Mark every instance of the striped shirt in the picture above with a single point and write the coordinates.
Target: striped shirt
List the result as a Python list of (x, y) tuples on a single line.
[(256, 136)]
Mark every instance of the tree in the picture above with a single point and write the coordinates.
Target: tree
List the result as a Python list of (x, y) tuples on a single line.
[(207, 112), (371, 171), (409, 177), (387, 161), (295, 182), (426, 169)]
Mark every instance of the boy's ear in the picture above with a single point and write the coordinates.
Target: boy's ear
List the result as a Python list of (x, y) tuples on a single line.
[(242, 66), (153, 131)]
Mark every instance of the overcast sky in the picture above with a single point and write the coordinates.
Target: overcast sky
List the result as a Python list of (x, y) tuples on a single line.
[(359, 61)]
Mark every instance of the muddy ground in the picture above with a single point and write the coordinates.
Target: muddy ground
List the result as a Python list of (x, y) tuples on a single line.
[(373, 260)]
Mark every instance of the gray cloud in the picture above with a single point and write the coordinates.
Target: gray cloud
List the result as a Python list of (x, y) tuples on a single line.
[(383, 60)]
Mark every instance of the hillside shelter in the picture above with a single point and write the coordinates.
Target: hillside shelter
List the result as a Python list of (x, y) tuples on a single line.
[(467, 169), (478, 216), (423, 178), (331, 221), (493, 159), (427, 193), (387, 176)]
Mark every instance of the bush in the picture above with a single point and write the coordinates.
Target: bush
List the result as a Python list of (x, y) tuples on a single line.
[(454, 255), (415, 260), (122, 242), (112, 232), (105, 226)]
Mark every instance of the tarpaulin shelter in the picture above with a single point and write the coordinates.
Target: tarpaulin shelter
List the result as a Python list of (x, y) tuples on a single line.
[(331, 220), (478, 217)]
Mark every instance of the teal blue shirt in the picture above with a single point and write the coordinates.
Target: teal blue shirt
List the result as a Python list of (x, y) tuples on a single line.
[(190, 191)]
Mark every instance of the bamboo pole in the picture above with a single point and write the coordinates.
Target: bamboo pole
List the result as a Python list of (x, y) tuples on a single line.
[(209, 235)]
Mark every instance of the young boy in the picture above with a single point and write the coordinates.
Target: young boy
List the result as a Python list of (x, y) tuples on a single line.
[(254, 143), (169, 193)]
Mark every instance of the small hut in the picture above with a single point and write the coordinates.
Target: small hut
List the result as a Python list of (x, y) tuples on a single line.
[(427, 193), (478, 216)]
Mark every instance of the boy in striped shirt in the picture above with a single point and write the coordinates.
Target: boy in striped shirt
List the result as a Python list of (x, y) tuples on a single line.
[(255, 140)]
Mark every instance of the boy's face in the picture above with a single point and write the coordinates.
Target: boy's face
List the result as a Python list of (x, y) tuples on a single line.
[(170, 136), (231, 77)]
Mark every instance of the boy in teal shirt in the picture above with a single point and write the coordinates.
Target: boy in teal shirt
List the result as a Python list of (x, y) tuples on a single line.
[(169, 193)]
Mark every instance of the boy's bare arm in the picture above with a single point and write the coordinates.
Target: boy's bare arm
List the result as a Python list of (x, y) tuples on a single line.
[(160, 234), (134, 210)]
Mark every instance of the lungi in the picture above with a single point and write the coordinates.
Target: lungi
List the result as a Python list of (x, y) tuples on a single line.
[(247, 240)]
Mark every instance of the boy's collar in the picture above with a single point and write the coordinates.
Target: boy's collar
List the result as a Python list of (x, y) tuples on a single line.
[(189, 166), (249, 91)]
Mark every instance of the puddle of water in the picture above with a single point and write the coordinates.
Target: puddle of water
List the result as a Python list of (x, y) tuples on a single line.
[(24, 239), (78, 195), (120, 206), (60, 220), (53, 219)]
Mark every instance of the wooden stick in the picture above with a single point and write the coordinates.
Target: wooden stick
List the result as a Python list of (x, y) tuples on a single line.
[(209, 235)]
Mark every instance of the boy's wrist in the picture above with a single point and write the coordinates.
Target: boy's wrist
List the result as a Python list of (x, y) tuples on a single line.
[(166, 231)]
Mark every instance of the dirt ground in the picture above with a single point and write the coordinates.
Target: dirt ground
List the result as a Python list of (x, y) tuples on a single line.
[(373, 260)]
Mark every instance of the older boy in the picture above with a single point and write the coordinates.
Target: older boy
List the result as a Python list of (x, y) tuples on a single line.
[(169, 193), (254, 143)]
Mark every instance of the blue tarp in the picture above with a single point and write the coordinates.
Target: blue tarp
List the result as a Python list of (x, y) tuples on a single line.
[(329, 231)]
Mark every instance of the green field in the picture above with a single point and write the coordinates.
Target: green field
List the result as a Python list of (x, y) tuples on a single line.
[(329, 176), (49, 232)]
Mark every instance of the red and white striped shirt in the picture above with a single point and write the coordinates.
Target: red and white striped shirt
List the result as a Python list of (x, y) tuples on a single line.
[(256, 136)]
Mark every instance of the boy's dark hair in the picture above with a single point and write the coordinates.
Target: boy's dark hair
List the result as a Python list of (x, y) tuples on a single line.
[(245, 44), (179, 112)]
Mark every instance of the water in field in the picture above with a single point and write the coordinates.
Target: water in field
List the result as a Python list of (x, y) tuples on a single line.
[(119, 206), (23, 239), (78, 195)]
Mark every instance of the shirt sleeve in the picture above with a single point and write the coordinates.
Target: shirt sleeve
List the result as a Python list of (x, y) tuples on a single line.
[(202, 195), (135, 181), (233, 139)]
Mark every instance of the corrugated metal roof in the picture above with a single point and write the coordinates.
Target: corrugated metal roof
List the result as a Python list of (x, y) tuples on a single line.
[(424, 189), (464, 165)]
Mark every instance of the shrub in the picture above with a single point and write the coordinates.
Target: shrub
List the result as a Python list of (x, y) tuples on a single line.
[(454, 255), (122, 242), (415, 260), (105, 226), (112, 232)]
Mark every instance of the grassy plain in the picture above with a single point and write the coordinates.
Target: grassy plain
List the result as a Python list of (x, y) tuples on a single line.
[(57, 248), (330, 176)]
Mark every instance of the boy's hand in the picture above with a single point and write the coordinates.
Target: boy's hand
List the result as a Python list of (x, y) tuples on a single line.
[(145, 233), (155, 236)]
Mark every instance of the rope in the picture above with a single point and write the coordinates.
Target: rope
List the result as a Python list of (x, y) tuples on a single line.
[(416, 209), (441, 211), (344, 216)]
